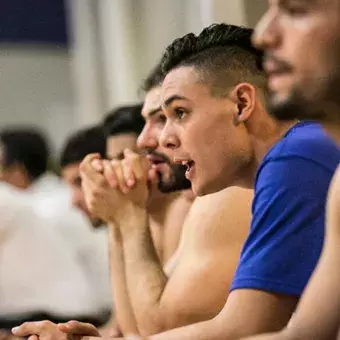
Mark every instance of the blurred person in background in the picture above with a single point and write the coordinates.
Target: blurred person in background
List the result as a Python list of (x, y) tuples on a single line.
[(24, 156), (37, 267), (76, 147), (89, 238)]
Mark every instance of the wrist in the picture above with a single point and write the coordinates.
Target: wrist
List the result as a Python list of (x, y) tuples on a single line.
[(133, 219)]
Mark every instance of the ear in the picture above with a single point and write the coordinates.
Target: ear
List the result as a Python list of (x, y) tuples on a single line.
[(244, 95)]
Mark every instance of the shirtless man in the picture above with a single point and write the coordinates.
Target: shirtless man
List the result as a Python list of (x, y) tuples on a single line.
[(193, 286), (302, 42), (120, 129), (215, 91), (166, 209)]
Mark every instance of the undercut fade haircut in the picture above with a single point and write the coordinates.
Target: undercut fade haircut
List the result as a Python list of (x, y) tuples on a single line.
[(154, 79), (222, 55), (126, 119), (27, 147), (82, 143)]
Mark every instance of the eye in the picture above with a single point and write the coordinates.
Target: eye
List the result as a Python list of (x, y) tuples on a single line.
[(180, 112), (161, 119)]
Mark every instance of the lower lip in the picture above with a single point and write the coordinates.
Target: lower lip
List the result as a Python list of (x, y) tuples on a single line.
[(189, 174)]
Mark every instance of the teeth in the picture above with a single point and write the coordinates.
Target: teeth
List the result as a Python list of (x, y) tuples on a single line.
[(185, 162)]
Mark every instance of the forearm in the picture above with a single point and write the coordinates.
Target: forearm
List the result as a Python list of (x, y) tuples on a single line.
[(145, 277), (205, 330), (123, 309)]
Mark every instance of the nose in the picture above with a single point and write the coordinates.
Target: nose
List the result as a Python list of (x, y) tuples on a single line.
[(266, 33), (147, 139), (169, 138)]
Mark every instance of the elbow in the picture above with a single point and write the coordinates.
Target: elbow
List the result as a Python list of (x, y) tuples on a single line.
[(150, 325)]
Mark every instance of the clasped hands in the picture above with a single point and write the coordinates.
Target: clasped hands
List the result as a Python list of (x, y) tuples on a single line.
[(72, 330), (113, 188)]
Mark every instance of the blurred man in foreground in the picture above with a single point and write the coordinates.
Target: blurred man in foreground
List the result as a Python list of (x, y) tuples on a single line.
[(302, 44)]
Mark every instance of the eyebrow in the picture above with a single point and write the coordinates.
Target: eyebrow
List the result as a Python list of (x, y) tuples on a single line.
[(173, 98), (153, 112)]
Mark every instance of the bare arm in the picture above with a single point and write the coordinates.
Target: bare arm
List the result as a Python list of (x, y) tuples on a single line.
[(146, 279), (123, 309), (215, 230), (246, 312)]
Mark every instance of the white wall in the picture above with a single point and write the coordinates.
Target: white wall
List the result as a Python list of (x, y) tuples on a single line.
[(115, 45), (35, 88)]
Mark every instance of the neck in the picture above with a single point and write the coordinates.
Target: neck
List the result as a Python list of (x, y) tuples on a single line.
[(275, 133), (159, 205), (263, 139)]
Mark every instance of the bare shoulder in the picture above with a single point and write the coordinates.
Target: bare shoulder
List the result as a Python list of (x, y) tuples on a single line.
[(221, 216), (222, 202)]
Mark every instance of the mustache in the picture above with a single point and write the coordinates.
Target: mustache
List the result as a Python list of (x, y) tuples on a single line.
[(157, 154), (279, 64)]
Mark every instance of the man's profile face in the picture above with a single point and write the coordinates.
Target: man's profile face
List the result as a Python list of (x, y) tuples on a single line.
[(70, 173), (301, 39), (200, 132), (171, 176)]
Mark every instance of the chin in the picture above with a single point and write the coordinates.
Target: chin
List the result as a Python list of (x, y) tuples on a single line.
[(293, 106)]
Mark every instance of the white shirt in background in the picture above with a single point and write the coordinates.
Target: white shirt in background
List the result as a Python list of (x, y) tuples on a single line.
[(43, 265)]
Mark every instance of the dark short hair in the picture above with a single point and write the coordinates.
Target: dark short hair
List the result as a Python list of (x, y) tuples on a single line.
[(82, 143), (154, 79), (125, 119), (26, 147), (222, 54)]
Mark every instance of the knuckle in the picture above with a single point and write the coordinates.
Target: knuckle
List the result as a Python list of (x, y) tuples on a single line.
[(134, 156), (116, 163)]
